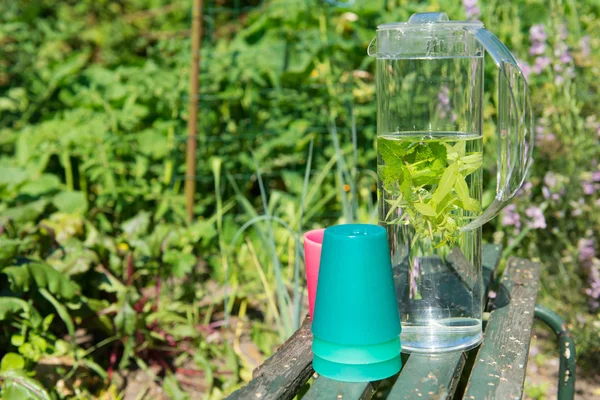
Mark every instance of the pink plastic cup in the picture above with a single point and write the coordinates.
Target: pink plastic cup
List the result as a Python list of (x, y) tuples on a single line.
[(313, 241)]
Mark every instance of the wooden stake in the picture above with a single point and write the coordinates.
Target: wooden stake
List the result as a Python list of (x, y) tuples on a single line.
[(192, 141)]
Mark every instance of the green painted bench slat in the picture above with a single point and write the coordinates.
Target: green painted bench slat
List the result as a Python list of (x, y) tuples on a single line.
[(429, 377), (500, 364), (324, 388)]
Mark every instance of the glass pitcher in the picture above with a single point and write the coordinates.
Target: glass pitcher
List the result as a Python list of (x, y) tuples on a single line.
[(429, 153)]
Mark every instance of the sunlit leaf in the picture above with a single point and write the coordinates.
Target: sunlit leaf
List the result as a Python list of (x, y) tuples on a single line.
[(19, 386)]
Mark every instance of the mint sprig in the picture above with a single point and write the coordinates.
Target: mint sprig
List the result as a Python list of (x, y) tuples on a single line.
[(427, 181)]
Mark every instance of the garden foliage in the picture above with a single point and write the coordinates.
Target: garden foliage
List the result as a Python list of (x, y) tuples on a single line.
[(101, 273)]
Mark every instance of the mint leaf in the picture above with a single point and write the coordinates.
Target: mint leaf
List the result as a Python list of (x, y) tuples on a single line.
[(446, 183), (425, 209), (461, 189)]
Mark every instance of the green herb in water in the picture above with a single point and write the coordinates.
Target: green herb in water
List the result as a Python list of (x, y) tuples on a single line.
[(424, 184)]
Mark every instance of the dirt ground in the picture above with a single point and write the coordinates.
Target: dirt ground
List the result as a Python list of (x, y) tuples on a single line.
[(542, 372)]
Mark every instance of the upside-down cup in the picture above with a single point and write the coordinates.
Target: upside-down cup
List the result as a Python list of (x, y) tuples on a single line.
[(356, 325), (313, 241)]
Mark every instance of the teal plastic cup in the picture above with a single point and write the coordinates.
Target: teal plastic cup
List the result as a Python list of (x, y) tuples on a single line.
[(356, 324)]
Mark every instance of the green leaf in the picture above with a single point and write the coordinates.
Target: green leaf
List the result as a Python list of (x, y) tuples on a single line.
[(44, 184), (13, 305), (127, 353), (18, 386), (71, 202), (406, 185), (12, 361), (47, 322), (207, 367), (425, 209), (470, 163), (470, 205), (153, 143), (17, 340), (137, 225), (8, 250), (38, 342), (182, 263), (61, 310), (12, 176), (78, 260), (23, 277), (29, 351), (95, 367), (27, 213), (125, 320), (446, 183), (461, 189), (172, 389)]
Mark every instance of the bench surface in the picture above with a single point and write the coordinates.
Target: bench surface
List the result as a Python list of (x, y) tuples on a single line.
[(494, 370)]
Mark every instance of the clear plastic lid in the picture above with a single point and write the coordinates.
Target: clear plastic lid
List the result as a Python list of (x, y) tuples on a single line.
[(427, 35)]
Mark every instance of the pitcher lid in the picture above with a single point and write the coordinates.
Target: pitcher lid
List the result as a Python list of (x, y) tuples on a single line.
[(433, 20)]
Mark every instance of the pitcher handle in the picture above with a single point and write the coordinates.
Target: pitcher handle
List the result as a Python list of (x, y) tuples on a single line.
[(515, 127)]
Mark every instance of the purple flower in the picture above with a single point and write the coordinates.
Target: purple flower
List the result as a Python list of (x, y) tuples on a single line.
[(538, 221), (587, 258), (541, 63), (565, 58), (539, 132), (537, 48), (550, 179), (588, 187), (587, 250), (537, 33), (444, 101), (558, 68), (584, 46), (443, 96), (546, 192), (471, 8), (596, 176), (510, 216)]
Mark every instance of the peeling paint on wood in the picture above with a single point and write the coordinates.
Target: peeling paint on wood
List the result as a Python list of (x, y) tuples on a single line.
[(283, 374), (323, 388), (437, 376), (503, 377)]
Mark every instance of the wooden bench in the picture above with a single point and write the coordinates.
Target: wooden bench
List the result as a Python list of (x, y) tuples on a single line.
[(494, 370)]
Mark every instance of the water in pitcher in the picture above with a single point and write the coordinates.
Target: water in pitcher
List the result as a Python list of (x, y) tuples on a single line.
[(430, 188), (429, 149)]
